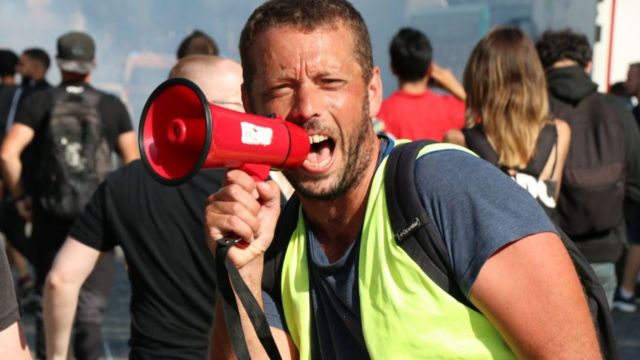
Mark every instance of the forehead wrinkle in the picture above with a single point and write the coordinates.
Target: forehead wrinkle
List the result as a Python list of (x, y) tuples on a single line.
[(310, 60)]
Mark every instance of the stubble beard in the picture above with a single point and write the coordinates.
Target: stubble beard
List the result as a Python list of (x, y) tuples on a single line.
[(357, 154)]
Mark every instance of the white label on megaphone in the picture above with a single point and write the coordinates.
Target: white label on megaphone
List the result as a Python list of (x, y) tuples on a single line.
[(255, 135)]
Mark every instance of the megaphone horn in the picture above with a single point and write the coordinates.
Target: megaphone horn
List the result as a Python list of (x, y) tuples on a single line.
[(180, 133)]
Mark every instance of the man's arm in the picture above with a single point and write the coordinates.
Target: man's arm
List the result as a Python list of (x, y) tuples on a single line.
[(455, 136), (128, 146), (13, 345), (530, 291), (248, 210), (71, 267), (16, 140), (12, 342), (446, 80)]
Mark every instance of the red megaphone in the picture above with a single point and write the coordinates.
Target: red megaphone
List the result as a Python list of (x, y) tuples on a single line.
[(181, 132)]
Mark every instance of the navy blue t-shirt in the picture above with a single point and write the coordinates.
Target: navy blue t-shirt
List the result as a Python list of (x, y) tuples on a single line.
[(477, 210)]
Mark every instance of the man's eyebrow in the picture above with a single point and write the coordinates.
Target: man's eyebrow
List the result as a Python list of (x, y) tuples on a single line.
[(327, 72), (331, 71)]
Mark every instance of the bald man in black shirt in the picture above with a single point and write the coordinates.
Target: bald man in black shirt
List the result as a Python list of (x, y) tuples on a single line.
[(160, 230)]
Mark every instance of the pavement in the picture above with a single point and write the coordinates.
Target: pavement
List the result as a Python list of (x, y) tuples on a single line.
[(116, 327)]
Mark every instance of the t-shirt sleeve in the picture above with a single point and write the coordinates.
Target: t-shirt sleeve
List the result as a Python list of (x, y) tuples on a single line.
[(123, 120), (89, 227), (33, 110), (9, 312), (476, 208)]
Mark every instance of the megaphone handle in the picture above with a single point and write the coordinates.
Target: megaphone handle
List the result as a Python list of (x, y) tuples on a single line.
[(259, 172)]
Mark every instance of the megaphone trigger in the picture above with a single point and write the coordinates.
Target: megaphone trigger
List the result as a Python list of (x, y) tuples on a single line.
[(259, 172)]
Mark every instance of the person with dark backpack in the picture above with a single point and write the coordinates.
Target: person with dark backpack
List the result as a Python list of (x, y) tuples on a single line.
[(74, 129), (509, 125), (159, 228), (603, 164)]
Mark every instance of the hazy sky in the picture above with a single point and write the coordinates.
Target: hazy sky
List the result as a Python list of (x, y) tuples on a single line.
[(126, 31)]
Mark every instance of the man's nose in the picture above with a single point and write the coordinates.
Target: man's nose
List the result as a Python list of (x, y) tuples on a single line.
[(307, 104)]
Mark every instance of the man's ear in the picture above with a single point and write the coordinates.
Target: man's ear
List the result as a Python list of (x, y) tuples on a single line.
[(374, 89)]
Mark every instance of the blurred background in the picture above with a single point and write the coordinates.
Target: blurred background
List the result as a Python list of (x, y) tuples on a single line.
[(136, 40)]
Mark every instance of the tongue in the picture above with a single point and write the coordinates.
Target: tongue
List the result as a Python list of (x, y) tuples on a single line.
[(319, 152)]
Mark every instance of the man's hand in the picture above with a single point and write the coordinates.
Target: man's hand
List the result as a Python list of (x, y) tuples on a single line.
[(24, 208), (245, 209), (446, 80)]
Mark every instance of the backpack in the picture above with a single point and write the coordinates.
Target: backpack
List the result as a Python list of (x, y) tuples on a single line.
[(593, 183), (416, 233), (529, 178), (76, 156)]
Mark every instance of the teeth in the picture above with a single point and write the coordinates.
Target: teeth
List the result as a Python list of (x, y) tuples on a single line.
[(314, 139)]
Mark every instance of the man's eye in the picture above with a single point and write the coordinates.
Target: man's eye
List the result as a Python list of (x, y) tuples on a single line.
[(279, 90), (332, 83)]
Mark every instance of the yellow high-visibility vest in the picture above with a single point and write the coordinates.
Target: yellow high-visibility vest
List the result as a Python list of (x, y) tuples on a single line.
[(404, 314)]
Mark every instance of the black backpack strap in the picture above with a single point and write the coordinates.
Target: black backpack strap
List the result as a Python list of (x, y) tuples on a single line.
[(596, 298), (477, 142), (547, 140), (414, 231)]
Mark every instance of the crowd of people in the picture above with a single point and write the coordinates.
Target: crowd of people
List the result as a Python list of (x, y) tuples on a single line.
[(524, 156)]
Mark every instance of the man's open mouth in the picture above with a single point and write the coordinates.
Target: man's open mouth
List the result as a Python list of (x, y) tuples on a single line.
[(321, 153)]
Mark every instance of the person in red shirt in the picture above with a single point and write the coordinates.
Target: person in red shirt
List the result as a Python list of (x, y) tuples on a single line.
[(414, 111)]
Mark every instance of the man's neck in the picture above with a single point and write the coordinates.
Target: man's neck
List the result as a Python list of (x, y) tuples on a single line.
[(8, 80), (413, 87), (336, 223), (565, 63), (74, 77)]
